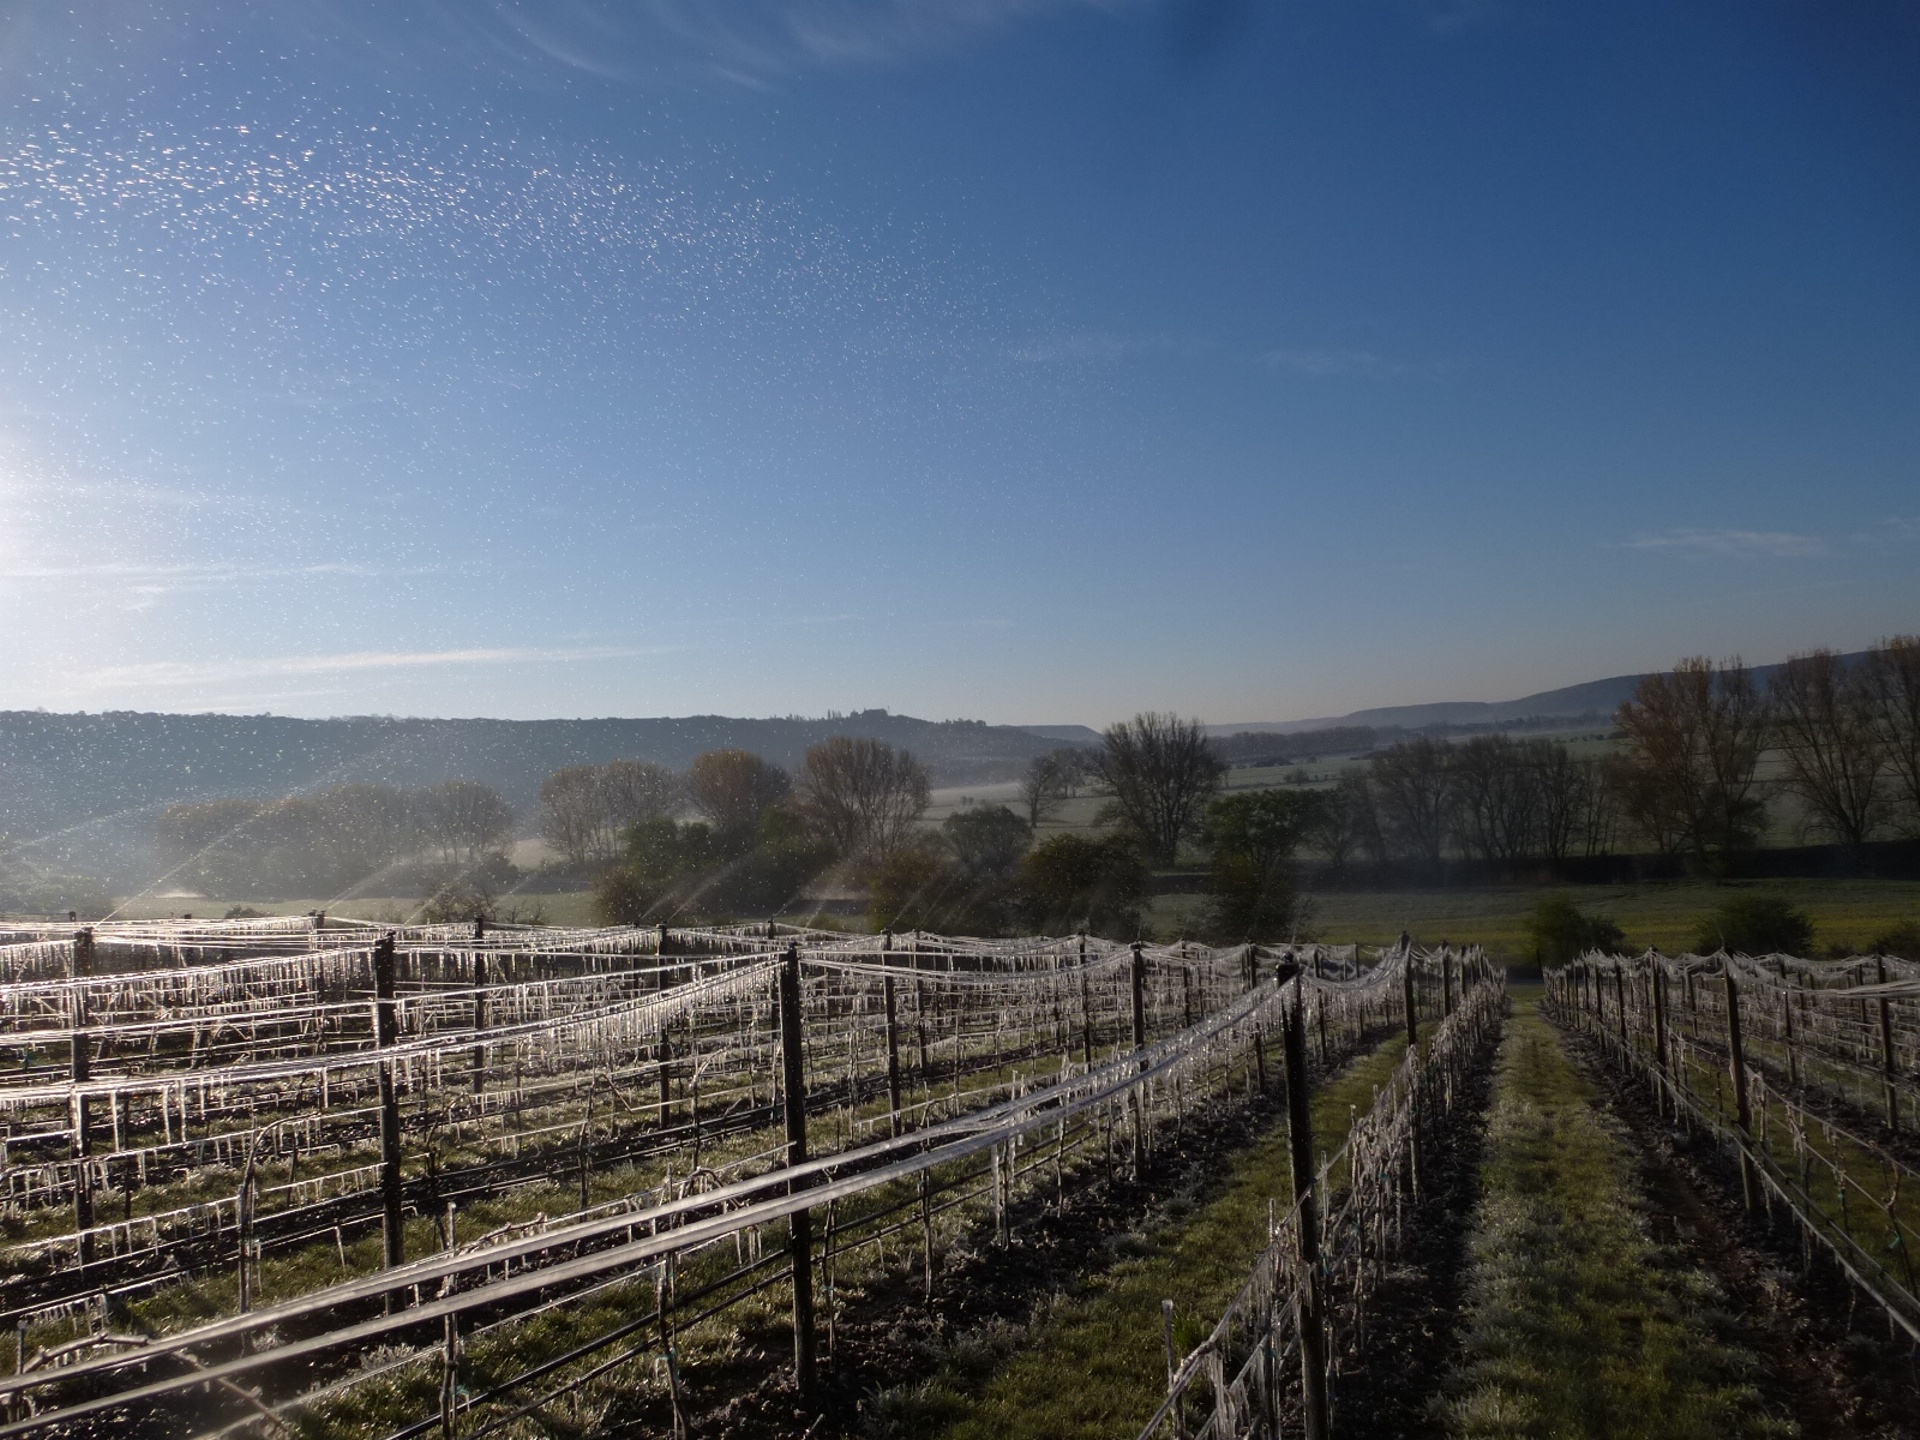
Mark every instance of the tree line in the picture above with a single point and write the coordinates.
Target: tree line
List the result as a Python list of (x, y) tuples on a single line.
[(332, 840), (1688, 778)]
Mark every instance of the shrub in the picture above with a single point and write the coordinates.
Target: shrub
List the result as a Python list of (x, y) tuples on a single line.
[(922, 888), (1070, 881), (619, 898), (1562, 931), (1756, 923), (1253, 838), (908, 888), (987, 840), (1902, 941), (683, 872)]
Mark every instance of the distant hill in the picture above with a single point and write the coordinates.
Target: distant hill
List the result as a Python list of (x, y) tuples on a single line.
[(85, 787), (1593, 700), (1065, 734)]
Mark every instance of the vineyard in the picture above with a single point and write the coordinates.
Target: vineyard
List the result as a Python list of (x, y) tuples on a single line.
[(1805, 1074), (309, 1177), (305, 1176)]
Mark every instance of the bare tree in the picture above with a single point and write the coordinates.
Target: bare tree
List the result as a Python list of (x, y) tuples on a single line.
[(1412, 783), (587, 810), (1560, 783), (1160, 771), (570, 812), (1835, 757), (364, 828), (1577, 809), (1496, 796), (1049, 780), (1341, 820), (1893, 687), (862, 796), (732, 789), (1694, 739), (632, 791), (1599, 807), (466, 820)]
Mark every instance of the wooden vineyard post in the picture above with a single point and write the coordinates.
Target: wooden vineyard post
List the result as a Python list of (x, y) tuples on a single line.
[(1658, 979), (385, 1034), (1313, 1340), (81, 1049), (1786, 1027), (793, 1083), (666, 1076), (1620, 997), (1138, 981), (1743, 1112), (1886, 1050), (450, 1346), (1446, 983), (893, 1053), (920, 1030), (1410, 1000), (477, 1057), (243, 1223), (1086, 1007)]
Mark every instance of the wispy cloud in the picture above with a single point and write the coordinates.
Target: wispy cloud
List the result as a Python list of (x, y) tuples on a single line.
[(176, 674), (1895, 530), (1100, 346), (137, 572), (750, 40), (1736, 544), (1321, 364)]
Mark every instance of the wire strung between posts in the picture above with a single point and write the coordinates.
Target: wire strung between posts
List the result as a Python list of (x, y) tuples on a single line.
[(1002, 1001)]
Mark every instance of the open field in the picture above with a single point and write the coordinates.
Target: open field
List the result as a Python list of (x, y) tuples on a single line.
[(1663, 916), (1660, 915)]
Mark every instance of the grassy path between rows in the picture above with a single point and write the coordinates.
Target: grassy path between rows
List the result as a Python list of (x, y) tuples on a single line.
[(1580, 1325), (1094, 1363)]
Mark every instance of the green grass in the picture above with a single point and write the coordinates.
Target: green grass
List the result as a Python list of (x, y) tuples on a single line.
[(1580, 1325), (1665, 915), (1106, 1340)]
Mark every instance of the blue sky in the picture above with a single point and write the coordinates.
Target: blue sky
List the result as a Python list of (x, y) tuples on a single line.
[(1026, 360)]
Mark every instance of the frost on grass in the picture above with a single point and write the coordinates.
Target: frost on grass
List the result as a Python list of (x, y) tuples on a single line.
[(1580, 1324)]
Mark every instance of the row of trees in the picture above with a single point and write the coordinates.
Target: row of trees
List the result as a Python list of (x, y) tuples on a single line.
[(1689, 779), (761, 835), (330, 841), (1492, 797), (1847, 736)]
